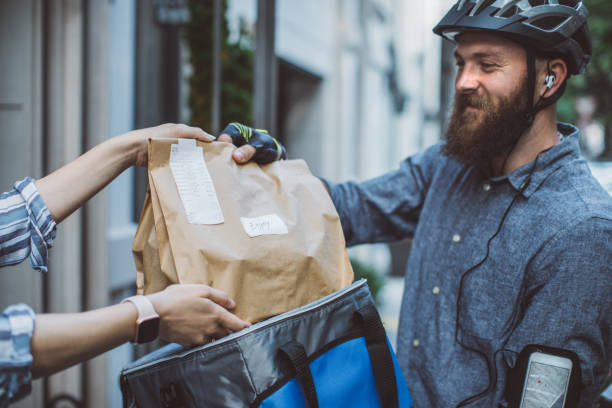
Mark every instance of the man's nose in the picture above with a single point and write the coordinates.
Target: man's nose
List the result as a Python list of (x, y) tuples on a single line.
[(466, 81)]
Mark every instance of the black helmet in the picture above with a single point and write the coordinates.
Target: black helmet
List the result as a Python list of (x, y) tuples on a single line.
[(552, 27)]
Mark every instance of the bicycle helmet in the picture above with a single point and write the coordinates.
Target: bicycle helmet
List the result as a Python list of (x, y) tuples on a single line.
[(550, 26), (544, 27)]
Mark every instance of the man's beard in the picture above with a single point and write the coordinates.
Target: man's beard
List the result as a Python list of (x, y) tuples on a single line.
[(476, 138)]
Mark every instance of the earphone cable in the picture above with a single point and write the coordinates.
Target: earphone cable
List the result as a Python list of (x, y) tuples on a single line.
[(491, 367)]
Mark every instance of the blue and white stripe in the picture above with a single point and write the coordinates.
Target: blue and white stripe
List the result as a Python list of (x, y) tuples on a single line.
[(26, 226), (27, 229), (16, 328)]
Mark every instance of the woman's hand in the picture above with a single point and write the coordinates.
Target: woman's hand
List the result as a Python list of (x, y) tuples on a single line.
[(69, 187), (192, 314), (139, 139), (189, 315)]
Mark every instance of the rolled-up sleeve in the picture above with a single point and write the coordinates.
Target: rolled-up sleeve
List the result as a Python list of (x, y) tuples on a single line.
[(386, 208), (16, 328), (27, 228)]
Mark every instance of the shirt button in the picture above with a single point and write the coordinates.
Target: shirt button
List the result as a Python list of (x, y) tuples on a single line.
[(456, 238), (415, 343), (486, 187), (435, 290)]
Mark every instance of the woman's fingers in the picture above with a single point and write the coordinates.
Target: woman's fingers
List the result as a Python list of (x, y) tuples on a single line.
[(191, 132)]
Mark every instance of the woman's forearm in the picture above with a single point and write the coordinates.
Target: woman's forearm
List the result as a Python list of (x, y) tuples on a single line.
[(62, 340), (189, 315), (69, 187)]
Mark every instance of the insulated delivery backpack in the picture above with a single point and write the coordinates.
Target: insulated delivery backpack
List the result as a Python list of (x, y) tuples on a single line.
[(330, 353)]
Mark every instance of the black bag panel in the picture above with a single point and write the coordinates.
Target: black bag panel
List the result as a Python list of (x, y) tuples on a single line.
[(289, 370), (234, 371), (212, 378), (315, 330)]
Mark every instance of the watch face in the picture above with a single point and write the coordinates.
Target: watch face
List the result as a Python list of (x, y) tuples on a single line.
[(148, 330)]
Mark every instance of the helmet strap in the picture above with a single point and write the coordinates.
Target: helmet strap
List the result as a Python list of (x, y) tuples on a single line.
[(532, 110), (542, 103), (531, 79)]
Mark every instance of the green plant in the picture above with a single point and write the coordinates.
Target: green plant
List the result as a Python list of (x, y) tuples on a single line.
[(597, 81), (236, 68), (375, 281)]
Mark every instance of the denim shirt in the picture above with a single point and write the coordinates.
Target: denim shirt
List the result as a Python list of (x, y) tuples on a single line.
[(547, 278)]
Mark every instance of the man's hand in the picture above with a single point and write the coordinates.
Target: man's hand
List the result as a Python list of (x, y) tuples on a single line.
[(254, 144), (193, 314)]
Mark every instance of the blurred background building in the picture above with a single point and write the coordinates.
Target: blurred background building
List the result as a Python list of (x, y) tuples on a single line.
[(351, 86)]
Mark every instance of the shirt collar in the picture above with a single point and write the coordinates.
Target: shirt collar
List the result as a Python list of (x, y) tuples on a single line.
[(548, 162)]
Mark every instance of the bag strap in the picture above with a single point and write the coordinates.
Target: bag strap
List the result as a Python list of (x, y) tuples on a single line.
[(296, 354), (380, 356)]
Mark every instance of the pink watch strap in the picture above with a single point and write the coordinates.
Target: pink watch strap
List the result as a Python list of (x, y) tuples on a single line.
[(145, 307)]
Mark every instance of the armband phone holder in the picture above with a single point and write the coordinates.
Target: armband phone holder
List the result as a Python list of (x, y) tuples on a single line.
[(544, 372)]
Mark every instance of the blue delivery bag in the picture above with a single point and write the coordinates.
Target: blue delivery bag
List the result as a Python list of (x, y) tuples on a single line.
[(330, 353)]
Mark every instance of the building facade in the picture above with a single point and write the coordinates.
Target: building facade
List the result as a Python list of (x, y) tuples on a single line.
[(358, 85)]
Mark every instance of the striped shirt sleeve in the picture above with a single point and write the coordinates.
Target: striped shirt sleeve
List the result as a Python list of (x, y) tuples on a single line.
[(16, 328), (27, 228)]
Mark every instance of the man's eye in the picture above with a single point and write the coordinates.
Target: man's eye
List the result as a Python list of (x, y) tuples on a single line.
[(487, 66), (459, 64)]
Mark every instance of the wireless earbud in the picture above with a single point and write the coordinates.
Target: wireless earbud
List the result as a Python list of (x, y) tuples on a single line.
[(550, 80)]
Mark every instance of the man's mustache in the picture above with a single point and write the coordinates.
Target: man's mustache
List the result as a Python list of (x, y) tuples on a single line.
[(464, 100)]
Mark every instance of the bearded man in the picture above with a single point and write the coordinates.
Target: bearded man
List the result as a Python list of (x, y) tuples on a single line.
[(512, 236)]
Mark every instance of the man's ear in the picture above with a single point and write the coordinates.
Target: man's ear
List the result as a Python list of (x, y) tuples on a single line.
[(552, 76)]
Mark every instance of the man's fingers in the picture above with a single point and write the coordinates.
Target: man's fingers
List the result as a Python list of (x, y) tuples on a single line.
[(244, 153), (225, 138)]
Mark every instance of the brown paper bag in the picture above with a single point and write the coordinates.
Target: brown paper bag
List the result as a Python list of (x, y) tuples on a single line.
[(267, 274)]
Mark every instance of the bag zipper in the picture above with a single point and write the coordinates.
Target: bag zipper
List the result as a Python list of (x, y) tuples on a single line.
[(256, 327)]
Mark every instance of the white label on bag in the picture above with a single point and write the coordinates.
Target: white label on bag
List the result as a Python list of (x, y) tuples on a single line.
[(187, 143), (194, 184), (270, 224)]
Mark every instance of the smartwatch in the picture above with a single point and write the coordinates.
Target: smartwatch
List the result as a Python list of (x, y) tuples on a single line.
[(147, 325)]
